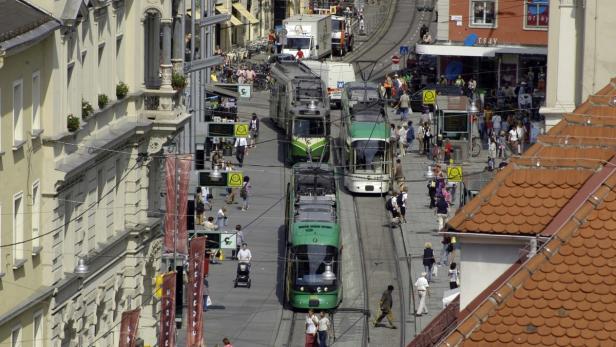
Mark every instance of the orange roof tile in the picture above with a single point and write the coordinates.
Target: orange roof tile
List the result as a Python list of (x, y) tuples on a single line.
[(565, 295)]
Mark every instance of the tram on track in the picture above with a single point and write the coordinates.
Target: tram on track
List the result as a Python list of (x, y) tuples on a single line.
[(312, 270), (299, 105), (367, 155)]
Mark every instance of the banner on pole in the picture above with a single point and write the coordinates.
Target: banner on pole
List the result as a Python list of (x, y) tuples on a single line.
[(184, 163), (128, 327), (167, 312), (170, 204), (196, 273)]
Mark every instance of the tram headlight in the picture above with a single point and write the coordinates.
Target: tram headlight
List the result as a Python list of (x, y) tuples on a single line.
[(318, 289), (325, 289), (301, 289)]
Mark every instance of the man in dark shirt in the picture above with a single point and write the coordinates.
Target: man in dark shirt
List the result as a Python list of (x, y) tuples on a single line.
[(385, 305)]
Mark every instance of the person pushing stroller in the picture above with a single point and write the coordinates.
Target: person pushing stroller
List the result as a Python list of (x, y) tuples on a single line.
[(243, 266)]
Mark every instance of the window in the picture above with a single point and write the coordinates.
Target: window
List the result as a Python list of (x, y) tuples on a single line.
[(16, 337), (36, 214), (537, 14), (483, 12), (36, 101), (18, 126), (18, 228), (38, 330)]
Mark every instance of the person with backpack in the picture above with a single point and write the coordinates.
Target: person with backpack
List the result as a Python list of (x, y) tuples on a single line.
[(391, 205), (245, 192)]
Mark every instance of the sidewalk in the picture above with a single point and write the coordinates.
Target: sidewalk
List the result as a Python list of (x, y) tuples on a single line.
[(250, 317), (422, 228)]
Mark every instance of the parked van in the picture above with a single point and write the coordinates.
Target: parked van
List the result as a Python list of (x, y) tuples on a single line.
[(335, 75)]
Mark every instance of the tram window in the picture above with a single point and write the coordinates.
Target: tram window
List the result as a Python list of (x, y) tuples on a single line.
[(369, 155), (298, 42), (304, 127), (310, 261)]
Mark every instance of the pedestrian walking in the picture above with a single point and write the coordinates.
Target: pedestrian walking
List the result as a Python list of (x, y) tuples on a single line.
[(239, 240), (432, 192), (453, 276), (391, 205), (199, 207), (324, 324), (427, 140), (227, 342), (254, 130), (447, 248), (399, 172), (423, 287), (403, 105), (245, 192), (221, 218), (410, 136), (311, 329), (428, 260), (401, 202), (244, 255), (442, 211), (420, 138), (240, 149), (385, 305), (402, 140)]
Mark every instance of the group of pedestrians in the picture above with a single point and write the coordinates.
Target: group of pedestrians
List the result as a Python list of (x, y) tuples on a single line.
[(317, 329)]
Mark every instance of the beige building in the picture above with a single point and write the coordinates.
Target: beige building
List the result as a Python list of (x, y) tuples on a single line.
[(26, 42), (581, 53), (83, 157)]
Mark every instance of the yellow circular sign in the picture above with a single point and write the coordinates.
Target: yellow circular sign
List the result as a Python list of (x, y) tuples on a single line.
[(454, 173), (241, 130), (429, 96), (235, 179)]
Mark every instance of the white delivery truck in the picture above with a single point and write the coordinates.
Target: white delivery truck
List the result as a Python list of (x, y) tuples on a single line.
[(335, 75), (312, 33)]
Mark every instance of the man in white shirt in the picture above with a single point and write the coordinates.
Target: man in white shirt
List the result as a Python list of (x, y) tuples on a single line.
[(244, 255), (513, 139), (422, 290), (324, 324), (240, 149)]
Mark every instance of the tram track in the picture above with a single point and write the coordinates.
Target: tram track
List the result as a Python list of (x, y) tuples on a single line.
[(384, 43)]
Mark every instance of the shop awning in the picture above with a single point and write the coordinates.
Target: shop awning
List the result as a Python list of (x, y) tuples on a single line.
[(477, 51), (245, 13), (233, 20)]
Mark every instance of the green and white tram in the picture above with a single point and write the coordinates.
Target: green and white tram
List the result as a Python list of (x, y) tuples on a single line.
[(367, 154), (299, 105), (313, 238)]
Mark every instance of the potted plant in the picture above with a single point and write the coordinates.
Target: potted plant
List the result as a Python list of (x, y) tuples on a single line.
[(178, 81), (86, 109), (103, 100), (121, 90), (72, 123)]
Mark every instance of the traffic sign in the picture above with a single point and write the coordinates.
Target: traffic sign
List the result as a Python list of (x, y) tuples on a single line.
[(429, 97), (244, 90), (235, 179), (404, 50), (454, 174), (395, 59), (228, 240), (240, 129), (340, 84), (395, 67), (231, 129)]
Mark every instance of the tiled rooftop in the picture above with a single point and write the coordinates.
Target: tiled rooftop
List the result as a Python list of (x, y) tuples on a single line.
[(524, 197), (565, 295)]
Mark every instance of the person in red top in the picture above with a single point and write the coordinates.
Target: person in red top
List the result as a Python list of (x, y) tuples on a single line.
[(448, 150), (300, 54), (271, 40), (227, 342)]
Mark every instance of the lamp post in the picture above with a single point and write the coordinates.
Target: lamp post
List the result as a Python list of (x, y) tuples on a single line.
[(473, 110)]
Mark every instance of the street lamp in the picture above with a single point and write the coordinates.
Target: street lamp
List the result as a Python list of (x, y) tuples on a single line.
[(472, 113), (81, 268), (215, 175), (429, 174)]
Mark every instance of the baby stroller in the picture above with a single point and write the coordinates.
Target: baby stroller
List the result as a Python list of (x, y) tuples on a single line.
[(242, 278)]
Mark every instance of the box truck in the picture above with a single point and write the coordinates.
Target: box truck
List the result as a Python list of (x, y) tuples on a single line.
[(312, 33), (335, 75)]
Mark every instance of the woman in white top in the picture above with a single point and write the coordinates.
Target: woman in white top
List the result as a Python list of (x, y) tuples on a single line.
[(453, 276)]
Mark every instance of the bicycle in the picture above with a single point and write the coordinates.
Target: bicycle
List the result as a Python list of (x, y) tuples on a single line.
[(476, 145)]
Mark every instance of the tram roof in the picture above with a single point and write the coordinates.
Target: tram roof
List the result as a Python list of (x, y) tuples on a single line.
[(369, 130), (316, 233)]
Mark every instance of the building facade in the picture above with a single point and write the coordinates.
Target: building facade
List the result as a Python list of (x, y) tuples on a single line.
[(484, 39), (26, 39), (581, 57), (107, 108)]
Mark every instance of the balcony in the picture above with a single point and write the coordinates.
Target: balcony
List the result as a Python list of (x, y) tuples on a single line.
[(165, 107)]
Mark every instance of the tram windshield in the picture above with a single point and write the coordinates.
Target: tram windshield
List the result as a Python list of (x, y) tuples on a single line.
[(315, 183), (311, 263), (369, 156), (309, 127)]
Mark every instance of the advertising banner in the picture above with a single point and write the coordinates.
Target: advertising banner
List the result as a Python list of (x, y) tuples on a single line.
[(167, 312), (128, 327), (184, 166), (196, 273), (170, 204)]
